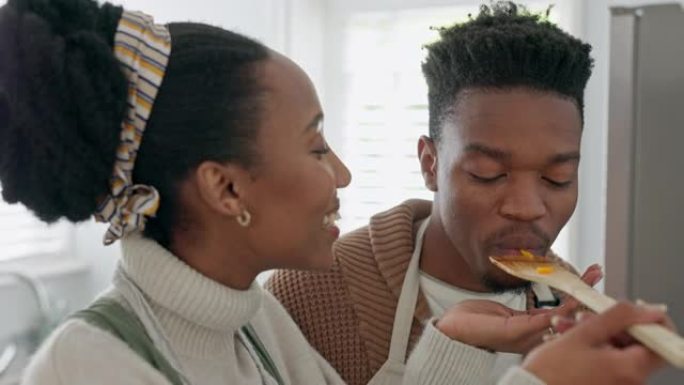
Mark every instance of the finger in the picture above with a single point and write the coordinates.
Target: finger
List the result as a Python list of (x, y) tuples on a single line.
[(582, 316), (603, 327), (642, 360), (568, 308), (594, 267), (654, 306), (667, 322), (593, 275), (505, 334), (623, 340), (562, 324), (522, 327)]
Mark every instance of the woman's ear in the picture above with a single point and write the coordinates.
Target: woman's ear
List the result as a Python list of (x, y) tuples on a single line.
[(221, 187)]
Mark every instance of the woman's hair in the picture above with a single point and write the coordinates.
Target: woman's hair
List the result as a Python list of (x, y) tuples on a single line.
[(63, 99)]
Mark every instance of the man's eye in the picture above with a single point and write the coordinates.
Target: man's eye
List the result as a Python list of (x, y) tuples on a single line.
[(486, 180), (556, 183)]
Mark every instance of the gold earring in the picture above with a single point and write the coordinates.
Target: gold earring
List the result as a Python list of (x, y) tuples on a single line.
[(244, 219)]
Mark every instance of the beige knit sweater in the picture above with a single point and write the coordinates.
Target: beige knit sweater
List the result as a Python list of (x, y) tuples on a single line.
[(347, 313)]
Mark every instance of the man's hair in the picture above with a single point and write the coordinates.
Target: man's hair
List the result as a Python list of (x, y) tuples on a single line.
[(504, 46)]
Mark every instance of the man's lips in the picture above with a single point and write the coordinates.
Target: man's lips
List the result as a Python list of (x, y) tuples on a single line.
[(513, 251)]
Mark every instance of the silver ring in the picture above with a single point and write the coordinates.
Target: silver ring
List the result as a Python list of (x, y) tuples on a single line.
[(549, 335)]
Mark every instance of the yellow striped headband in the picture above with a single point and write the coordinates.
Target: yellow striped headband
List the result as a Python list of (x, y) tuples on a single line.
[(143, 49)]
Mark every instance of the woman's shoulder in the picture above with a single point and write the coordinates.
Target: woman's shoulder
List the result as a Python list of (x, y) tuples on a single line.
[(80, 353)]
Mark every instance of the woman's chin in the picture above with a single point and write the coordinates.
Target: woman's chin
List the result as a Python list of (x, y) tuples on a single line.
[(322, 261)]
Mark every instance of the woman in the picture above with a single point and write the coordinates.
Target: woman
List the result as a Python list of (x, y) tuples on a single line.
[(220, 172)]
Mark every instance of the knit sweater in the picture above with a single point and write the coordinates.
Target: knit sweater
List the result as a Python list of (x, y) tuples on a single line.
[(347, 313), (201, 319)]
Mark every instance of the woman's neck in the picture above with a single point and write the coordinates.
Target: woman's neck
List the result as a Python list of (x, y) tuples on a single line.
[(217, 257)]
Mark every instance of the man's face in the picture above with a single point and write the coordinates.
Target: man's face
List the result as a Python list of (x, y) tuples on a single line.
[(506, 175)]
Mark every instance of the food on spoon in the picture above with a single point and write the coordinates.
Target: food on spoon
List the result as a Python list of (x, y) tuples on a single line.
[(545, 270), (527, 254)]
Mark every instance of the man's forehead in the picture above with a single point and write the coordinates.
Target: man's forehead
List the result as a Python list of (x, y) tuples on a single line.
[(549, 155), (497, 119)]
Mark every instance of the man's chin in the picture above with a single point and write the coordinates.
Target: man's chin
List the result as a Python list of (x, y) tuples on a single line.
[(500, 282)]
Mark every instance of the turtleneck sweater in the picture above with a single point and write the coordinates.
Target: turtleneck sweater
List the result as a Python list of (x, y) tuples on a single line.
[(199, 317), (201, 320)]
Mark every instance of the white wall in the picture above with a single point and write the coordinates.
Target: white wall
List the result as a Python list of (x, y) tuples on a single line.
[(261, 19), (589, 225)]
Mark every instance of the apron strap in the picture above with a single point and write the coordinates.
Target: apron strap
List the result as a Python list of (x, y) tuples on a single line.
[(135, 298), (109, 315), (403, 318), (262, 353), (543, 297)]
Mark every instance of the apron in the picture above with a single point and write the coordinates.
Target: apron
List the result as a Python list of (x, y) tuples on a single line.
[(392, 371)]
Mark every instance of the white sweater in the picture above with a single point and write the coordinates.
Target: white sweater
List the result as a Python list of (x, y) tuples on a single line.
[(201, 319)]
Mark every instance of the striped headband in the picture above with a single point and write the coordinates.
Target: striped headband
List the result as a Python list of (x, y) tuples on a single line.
[(143, 49)]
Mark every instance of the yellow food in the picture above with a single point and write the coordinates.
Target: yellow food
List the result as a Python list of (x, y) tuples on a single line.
[(545, 270), (527, 254)]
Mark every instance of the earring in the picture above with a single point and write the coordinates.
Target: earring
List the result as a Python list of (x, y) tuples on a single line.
[(244, 219)]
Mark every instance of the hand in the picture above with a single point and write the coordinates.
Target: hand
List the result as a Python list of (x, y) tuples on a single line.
[(491, 326), (588, 354), (563, 324), (494, 327)]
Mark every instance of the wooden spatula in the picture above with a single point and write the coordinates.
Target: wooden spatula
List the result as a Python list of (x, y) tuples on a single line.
[(666, 343)]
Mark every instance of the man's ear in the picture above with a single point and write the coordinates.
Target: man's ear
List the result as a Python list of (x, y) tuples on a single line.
[(427, 153), (221, 187)]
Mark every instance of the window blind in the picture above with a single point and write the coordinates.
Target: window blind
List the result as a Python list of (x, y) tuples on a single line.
[(22, 235)]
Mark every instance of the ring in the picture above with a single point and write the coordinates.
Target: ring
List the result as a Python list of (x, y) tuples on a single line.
[(549, 335)]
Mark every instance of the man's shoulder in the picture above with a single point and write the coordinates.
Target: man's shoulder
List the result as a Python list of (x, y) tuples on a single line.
[(321, 306), (297, 283), (383, 227), (355, 243)]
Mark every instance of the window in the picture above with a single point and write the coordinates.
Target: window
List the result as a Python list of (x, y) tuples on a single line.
[(22, 235), (379, 106)]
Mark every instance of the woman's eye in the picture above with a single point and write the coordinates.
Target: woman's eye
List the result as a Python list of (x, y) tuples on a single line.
[(320, 152), (486, 180)]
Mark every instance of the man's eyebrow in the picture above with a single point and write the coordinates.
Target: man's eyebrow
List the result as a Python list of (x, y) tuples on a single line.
[(565, 158), (490, 152)]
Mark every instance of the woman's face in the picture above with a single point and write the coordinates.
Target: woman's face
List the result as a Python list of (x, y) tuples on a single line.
[(293, 195)]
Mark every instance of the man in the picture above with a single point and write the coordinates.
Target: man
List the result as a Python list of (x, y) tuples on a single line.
[(506, 117)]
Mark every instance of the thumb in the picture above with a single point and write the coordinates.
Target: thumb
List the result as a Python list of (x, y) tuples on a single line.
[(602, 328)]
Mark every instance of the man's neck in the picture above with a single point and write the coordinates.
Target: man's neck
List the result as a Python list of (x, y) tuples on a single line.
[(441, 260)]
